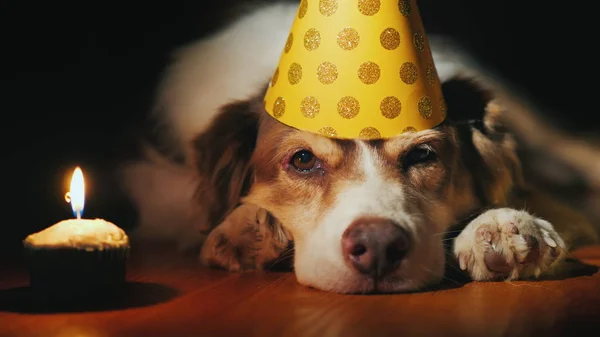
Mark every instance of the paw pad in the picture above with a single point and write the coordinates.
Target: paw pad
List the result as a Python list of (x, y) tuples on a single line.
[(484, 234), (496, 262)]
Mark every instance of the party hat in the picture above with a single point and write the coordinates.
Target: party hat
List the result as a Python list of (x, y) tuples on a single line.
[(356, 69)]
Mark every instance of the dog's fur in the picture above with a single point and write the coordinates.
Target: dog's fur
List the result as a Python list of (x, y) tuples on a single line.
[(235, 193)]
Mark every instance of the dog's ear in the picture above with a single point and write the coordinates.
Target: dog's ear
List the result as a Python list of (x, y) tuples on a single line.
[(465, 99), (489, 150), (471, 105), (222, 158)]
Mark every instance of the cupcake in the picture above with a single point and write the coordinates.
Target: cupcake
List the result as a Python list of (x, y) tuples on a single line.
[(77, 258)]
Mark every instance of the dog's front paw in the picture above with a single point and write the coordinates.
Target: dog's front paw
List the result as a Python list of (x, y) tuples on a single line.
[(249, 238), (507, 244)]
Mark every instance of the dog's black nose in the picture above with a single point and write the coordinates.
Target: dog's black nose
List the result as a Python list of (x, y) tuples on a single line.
[(375, 246)]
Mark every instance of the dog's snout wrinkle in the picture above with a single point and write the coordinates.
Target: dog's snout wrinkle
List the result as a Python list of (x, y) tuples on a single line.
[(374, 246)]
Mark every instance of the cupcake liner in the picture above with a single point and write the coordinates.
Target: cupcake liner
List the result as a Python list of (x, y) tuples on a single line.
[(68, 274)]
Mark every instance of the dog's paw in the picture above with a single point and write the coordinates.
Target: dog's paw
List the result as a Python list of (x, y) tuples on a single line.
[(249, 238), (507, 244)]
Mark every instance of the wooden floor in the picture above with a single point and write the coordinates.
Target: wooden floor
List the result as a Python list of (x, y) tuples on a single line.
[(172, 296)]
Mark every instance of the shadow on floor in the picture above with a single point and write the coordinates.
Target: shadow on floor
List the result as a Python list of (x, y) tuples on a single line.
[(570, 268), (134, 294)]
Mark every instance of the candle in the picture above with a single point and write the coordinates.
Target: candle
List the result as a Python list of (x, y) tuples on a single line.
[(77, 257), (86, 234)]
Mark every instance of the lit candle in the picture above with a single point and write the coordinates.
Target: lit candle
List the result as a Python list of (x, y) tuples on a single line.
[(86, 234), (80, 257), (76, 194)]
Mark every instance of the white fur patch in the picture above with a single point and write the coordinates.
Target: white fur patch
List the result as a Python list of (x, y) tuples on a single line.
[(232, 65)]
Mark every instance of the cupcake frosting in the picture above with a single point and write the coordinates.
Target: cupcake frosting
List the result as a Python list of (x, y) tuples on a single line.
[(85, 234)]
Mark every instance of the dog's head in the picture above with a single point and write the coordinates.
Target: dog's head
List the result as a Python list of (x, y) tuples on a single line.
[(364, 215)]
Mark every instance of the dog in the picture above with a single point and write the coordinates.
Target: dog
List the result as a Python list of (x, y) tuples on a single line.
[(360, 216)]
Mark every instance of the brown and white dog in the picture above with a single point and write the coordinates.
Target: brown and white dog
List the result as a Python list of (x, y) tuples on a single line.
[(364, 216)]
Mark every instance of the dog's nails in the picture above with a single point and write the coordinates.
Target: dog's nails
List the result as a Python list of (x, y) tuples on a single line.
[(462, 260), (548, 240), (261, 216)]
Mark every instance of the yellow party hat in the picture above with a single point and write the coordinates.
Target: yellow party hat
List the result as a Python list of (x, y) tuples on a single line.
[(356, 69)]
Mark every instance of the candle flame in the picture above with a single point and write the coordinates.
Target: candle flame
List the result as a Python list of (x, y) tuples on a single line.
[(76, 195)]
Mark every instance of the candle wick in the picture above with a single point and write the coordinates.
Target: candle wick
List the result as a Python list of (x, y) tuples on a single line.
[(78, 215)]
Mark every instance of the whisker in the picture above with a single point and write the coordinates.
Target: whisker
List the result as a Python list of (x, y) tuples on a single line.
[(453, 266), (287, 253), (471, 216), (448, 232), (450, 255), (444, 276)]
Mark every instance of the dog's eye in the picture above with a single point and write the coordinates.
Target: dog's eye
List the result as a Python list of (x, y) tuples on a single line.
[(303, 161), (418, 155)]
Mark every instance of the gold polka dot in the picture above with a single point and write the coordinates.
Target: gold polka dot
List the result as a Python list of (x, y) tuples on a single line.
[(312, 39), (295, 73), (425, 107), (430, 74), (302, 9), (327, 73), (310, 107), (369, 72), (288, 43), (389, 38), (404, 7), (409, 73), (409, 129), (348, 107), (369, 7), (327, 131), (390, 107), (419, 41), (328, 7), (348, 38), (279, 107), (369, 133), (275, 77), (443, 107)]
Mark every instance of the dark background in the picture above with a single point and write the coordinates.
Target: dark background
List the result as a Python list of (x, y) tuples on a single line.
[(77, 79)]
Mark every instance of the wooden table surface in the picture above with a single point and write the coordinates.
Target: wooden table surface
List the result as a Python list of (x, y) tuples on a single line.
[(170, 295)]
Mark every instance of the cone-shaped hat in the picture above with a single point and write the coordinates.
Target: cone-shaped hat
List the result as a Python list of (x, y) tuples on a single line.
[(356, 69)]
